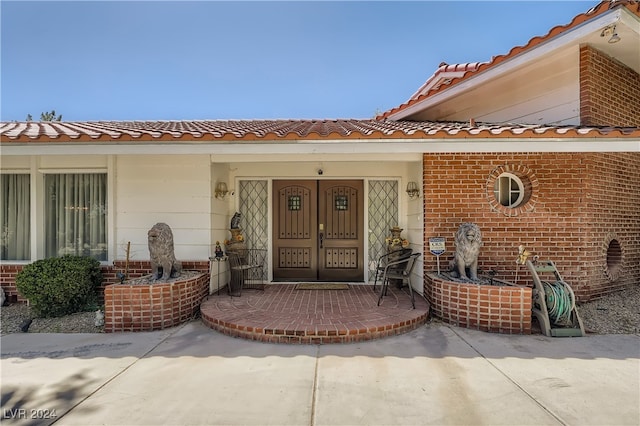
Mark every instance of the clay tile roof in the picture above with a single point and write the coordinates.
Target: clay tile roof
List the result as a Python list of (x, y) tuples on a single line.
[(444, 75), (284, 130), (600, 8)]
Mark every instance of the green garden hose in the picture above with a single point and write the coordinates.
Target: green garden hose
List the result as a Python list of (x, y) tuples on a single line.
[(560, 302)]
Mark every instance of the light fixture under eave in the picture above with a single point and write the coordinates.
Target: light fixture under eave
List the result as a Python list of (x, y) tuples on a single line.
[(412, 190), (614, 38), (221, 190), (610, 31)]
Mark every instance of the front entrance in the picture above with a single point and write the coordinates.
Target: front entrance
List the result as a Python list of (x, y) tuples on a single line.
[(318, 228)]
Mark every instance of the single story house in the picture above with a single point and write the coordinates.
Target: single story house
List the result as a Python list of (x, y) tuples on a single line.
[(539, 146)]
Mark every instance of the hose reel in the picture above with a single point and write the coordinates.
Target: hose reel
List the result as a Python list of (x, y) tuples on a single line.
[(560, 302), (554, 302)]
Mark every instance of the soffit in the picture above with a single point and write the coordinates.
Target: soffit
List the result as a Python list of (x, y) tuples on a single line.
[(499, 97)]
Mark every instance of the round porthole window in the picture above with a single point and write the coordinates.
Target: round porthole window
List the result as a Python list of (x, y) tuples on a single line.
[(509, 190)]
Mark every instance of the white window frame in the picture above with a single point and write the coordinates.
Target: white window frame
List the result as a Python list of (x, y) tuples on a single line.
[(31, 211), (498, 190), (103, 171)]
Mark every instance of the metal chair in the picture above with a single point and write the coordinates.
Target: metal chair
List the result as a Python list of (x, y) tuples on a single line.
[(384, 260), (400, 270), (247, 270)]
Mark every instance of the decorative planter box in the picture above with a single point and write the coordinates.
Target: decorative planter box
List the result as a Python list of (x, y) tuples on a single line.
[(504, 308), (153, 306)]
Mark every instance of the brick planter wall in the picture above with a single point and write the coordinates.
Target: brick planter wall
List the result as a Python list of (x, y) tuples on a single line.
[(8, 274), (137, 269), (147, 307), (496, 309)]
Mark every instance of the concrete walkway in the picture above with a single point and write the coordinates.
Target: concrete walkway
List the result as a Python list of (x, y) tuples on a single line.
[(436, 374)]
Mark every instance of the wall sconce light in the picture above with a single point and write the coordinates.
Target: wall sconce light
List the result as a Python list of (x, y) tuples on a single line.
[(611, 31), (221, 190), (412, 190)]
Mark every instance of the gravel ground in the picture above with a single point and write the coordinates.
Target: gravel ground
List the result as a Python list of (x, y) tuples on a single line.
[(14, 317), (617, 313)]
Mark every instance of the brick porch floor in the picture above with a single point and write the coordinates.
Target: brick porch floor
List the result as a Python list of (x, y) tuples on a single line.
[(282, 314)]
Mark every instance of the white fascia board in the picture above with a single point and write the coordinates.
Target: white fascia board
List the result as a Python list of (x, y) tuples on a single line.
[(401, 157), (382, 147), (531, 56), (442, 76), (631, 21)]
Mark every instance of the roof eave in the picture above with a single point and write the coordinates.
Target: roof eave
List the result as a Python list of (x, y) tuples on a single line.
[(356, 147), (530, 55)]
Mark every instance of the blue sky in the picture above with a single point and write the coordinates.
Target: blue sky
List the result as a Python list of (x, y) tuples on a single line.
[(162, 60)]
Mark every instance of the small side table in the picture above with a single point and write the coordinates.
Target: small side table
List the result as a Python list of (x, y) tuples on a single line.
[(217, 260)]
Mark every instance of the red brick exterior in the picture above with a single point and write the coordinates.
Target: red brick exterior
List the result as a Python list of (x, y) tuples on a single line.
[(8, 274), (282, 314), (612, 205), (137, 269), (140, 268), (578, 203), (147, 307), (497, 309), (609, 91)]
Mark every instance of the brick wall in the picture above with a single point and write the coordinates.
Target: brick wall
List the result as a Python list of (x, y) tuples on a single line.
[(497, 309), (147, 307), (8, 274), (576, 202), (613, 210), (137, 269), (609, 91)]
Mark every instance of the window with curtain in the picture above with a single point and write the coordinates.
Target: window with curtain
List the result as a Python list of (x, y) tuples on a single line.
[(15, 213), (75, 207)]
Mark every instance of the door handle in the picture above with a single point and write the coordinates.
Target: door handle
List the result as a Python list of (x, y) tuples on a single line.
[(321, 239)]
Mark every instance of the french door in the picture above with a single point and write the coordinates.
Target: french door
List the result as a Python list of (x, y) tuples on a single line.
[(318, 228)]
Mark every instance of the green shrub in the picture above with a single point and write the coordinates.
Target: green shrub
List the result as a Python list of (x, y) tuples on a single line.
[(60, 285)]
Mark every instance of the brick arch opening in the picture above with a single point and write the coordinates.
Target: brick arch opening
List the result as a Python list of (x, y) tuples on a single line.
[(614, 257)]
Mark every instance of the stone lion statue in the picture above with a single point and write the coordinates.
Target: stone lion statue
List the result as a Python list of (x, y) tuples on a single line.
[(163, 259), (468, 240)]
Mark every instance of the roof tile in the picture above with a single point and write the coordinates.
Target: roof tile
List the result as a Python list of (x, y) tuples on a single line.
[(275, 130)]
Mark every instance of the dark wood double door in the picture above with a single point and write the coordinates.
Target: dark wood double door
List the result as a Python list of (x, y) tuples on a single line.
[(318, 228)]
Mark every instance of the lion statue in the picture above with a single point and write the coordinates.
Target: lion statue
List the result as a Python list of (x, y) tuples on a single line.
[(163, 259), (468, 241)]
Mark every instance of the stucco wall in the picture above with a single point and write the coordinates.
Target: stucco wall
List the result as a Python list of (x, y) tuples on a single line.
[(143, 190), (174, 189), (332, 168), (301, 167), (576, 200), (179, 190)]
